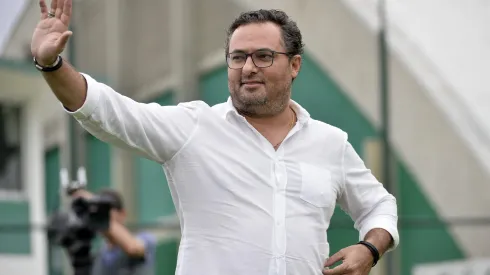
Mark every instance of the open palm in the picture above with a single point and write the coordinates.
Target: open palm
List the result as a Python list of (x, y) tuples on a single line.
[(51, 33)]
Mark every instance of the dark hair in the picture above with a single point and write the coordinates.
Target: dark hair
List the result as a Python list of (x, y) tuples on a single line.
[(291, 35), (114, 196)]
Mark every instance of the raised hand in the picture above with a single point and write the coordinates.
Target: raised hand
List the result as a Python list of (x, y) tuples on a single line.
[(51, 33)]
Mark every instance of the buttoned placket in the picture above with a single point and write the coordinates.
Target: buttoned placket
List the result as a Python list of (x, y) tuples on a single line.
[(280, 193), (280, 179), (279, 208)]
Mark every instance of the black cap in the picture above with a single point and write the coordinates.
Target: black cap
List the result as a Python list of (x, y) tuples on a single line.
[(114, 196)]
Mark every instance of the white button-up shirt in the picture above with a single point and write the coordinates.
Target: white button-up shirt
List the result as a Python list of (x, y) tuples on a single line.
[(244, 207)]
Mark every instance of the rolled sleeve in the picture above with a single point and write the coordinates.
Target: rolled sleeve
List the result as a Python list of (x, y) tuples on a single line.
[(386, 222), (91, 100), (365, 199)]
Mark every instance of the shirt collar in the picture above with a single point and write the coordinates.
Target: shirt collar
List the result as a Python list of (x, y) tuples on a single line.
[(302, 115)]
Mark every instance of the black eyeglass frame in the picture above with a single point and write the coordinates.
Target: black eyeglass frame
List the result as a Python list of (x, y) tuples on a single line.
[(247, 55)]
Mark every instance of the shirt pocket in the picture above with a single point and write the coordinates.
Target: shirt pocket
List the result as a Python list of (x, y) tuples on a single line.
[(316, 185)]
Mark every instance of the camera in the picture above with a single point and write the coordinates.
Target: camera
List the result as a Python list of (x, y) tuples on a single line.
[(76, 228)]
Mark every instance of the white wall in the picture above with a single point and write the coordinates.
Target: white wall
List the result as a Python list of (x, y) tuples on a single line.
[(10, 264), (446, 49), (474, 267), (33, 171), (454, 36), (18, 45)]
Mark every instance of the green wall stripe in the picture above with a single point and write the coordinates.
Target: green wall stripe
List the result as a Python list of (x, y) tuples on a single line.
[(326, 101), (421, 244), (19, 66), (52, 179), (52, 185), (166, 257), (153, 198), (98, 163), (15, 228)]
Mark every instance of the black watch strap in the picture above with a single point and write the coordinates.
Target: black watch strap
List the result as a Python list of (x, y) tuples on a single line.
[(56, 65), (373, 249)]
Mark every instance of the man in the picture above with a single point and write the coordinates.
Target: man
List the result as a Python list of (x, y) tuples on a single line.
[(122, 252), (255, 180)]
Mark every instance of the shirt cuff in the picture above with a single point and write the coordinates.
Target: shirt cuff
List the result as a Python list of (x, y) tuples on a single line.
[(388, 223), (91, 100)]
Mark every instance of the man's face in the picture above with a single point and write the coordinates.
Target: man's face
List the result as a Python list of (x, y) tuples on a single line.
[(257, 91)]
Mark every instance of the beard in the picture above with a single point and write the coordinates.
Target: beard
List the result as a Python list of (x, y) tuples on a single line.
[(264, 101)]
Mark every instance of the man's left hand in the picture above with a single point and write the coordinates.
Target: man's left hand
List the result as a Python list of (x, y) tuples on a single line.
[(356, 260)]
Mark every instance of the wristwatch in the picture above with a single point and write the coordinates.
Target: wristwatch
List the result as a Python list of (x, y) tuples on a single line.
[(53, 67)]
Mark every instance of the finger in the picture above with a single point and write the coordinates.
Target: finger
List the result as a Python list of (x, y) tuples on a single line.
[(54, 3), (61, 42), (334, 258), (59, 8), (66, 15), (339, 270), (44, 9)]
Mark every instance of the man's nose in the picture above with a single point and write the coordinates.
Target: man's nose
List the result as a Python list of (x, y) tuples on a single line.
[(249, 66)]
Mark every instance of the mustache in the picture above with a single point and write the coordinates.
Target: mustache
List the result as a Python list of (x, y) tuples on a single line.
[(244, 81)]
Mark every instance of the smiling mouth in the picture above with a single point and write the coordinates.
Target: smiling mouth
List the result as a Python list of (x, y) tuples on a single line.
[(252, 83)]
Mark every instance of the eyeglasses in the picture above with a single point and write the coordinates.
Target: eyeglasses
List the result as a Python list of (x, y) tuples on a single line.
[(260, 58)]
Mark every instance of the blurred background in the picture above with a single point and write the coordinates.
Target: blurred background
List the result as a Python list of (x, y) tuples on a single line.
[(407, 80)]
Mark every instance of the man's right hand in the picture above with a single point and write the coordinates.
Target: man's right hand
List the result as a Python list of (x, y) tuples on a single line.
[(51, 33)]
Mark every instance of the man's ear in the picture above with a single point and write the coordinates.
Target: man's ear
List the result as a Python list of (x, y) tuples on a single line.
[(296, 61)]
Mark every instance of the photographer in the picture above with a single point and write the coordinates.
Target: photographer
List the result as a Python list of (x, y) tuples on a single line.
[(122, 252)]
